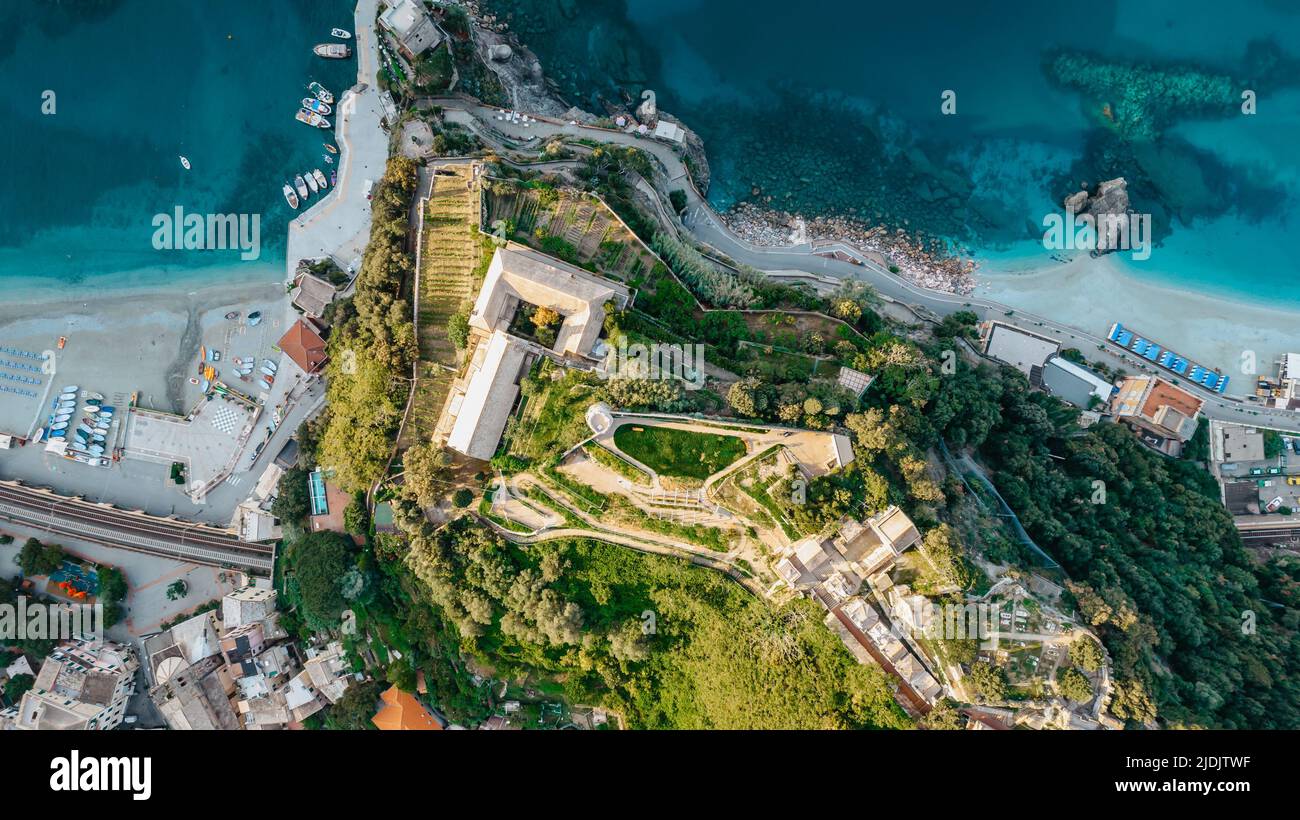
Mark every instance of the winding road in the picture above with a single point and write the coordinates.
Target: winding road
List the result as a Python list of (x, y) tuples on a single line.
[(707, 227)]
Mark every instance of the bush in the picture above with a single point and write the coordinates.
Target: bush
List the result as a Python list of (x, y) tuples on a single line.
[(462, 497)]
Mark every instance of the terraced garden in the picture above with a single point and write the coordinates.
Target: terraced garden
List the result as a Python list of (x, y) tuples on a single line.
[(452, 253)]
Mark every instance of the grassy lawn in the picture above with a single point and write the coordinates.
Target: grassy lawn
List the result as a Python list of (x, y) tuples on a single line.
[(682, 453)]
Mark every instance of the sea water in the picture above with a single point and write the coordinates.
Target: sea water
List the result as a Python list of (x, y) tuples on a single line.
[(99, 98), (837, 107)]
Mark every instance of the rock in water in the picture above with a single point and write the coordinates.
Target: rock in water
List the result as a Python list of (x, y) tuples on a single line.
[(1108, 205), (500, 53)]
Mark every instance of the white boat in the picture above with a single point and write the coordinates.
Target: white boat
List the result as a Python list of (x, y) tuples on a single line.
[(313, 104), (311, 118), (70, 389), (59, 425), (342, 34), (267, 370), (301, 186), (290, 196), (320, 179), (312, 183), (185, 163), (332, 51), (321, 93), (274, 367), (86, 394), (266, 385)]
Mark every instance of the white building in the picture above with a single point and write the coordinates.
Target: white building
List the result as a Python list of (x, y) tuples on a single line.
[(1021, 349), (519, 275), (480, 405), (411, 27), (83, 685)]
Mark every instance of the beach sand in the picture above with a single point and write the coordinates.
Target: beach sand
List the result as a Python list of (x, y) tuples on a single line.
[(142, 340), (1092, 294)]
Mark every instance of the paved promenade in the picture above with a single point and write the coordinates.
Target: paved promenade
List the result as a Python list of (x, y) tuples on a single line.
[(338, 224)]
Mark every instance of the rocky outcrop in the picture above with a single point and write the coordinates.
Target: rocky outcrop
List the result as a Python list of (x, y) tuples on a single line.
[(1107, 205)]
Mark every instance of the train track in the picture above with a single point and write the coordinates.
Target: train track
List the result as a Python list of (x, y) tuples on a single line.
[(137, 531)]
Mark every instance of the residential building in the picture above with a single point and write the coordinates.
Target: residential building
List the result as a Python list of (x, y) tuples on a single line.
[(402, 712), (874, 544), (410, 27), (246, 606), (304, 347), (1164, 414), (83, 685), (312, 294)]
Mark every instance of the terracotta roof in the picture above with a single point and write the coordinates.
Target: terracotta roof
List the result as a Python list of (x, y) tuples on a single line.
[(304, 346), (1164, 393), (402, 712)]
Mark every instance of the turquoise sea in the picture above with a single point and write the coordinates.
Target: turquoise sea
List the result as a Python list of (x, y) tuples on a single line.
[(834, 106), (135, 84)]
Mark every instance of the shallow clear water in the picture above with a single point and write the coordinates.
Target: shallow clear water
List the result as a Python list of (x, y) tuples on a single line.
[(137, 83), (834, 107)]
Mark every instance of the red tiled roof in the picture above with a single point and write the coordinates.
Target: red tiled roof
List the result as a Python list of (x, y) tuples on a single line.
[(401, 711), (304, 346)]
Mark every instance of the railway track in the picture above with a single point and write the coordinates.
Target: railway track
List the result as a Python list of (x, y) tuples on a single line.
[(169, 538)]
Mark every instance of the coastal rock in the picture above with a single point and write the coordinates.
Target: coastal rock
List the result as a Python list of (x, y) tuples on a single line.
[(1108, 205), (500, 53)]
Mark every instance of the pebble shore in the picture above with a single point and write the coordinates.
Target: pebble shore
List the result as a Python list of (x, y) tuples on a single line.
[(928, 264)]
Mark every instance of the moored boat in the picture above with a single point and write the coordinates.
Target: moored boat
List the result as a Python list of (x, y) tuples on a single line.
[(301, 186), (311, 118), (320, 179), (312, 183), (342, 34), (185, 163), (332, 51), (254, 318), (332, 149), (290, 196), (320, 92), (313, 104)]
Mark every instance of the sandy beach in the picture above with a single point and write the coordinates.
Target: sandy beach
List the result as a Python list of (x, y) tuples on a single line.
[(1091, 294), (136, 340)]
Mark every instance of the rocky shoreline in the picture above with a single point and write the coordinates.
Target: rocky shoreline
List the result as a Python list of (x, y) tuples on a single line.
[(928, 264), (924, 262)]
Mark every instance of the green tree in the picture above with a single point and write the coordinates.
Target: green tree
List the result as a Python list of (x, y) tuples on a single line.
[(945, 716), (36, 558), (458, 329), (1074, 685), (462, 497), (354, 710), (319, 561), (988, 681), (1086, 654), (17, 685), (424, 476), (292, 502)]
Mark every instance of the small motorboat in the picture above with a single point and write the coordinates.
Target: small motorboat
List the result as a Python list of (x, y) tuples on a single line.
[(332, 51), (205, 386), (312, 183), (234, 314), (313, 104), (63, 340), (290, 196), (266, 385), (267, 370), (342, 34), (72, 388), (62, 417), (334, 178), (301, 186), (59, 425), (331, 148), (96, 397), (320, 92), (254, 318), (320, 179), (311, 118), (185, 163), (328, 159), (274, 367), (193, 380), (61, 435)]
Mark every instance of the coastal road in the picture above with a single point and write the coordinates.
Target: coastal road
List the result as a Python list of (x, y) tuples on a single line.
[(136, 531), (707, 227)]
